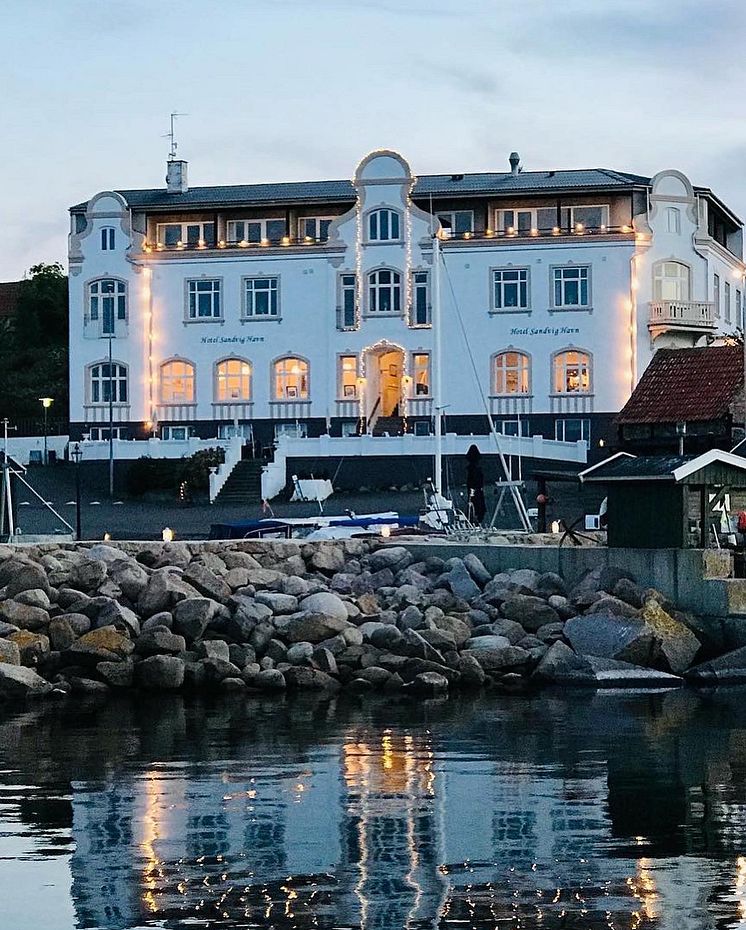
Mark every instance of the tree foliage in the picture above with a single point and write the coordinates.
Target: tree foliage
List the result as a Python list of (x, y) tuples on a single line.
[(34, 346)]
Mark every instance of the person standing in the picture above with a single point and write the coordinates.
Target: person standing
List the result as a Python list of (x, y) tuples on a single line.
[(475, 483)]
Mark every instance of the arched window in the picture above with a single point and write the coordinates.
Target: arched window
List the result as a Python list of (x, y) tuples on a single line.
[(511, 373), (177, 382), (670, 281), (232, 380), (107, 302), (571, 372), (108, 381), (383, 225), (291, 378), (384, 291)]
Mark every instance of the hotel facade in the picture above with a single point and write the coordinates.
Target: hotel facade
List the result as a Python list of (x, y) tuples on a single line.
[(306, 308)]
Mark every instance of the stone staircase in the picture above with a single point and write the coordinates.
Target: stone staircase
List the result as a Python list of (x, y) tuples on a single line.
[(243, 485), (394, 426)]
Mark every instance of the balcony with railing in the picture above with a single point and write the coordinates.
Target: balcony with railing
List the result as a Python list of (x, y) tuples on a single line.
[(682, 314), (202, 245), (575, 231)]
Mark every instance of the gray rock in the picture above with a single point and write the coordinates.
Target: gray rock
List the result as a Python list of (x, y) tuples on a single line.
[(33, 647), (323, 659), (61, 634), (161, 619), (22, 576), (207, 582), (531, 612), (389, 557), (112, 613), (241, 655), (311, 679), (9, 652), (276, 650), (440, 640), (472, 673), (610, 673), (417, 647), (216, 669), (278, 603), (730, 667), (269, 679), (264, 577), (7, 628), (117, 674), (261, 636), (429, 684), (476, 569), (629, 591), (24, 616), (560, 665), (549, 584), (352, 636), (460, 582), (34, 597), (236, 578), (17, 682), (163, 590), (159, 642), (213, 649), (160, 673), (628, 639), (550, 633), (292, 584), (497, 658), (509, 629), (88, 574), (300, 654), (388, 637), (130, 576), (79, 622), (236, 559), (328, 559), (103, 552), (488, 642), (412, 618), (104, 645), (677, 644), (326, 604), (459, 629), (608, 604), (192, 616), (525, 578), (313, 627)]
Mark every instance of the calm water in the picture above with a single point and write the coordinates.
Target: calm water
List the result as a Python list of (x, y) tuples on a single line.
[(605, 811)]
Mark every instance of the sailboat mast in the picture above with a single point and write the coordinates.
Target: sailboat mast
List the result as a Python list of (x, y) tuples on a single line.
[(437, 374)]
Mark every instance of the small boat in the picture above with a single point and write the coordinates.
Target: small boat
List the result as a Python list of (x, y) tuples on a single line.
[(316, 527)]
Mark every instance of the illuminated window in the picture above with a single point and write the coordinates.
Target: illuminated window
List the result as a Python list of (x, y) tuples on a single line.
[(421, 373), (233, 380), (510, 289), (670, 281), (383, 225), (511, 373), (107, 303), (108, 381), (348, 376), (384, 291), (204, 299), (261, 298), (181, 235), (291, 379), (177, 382), (572, 287), (253, 231), (571, 372), (108, 238)]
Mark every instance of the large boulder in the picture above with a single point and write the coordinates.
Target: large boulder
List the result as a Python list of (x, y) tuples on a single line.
[(34, 597), (159, 641), (326, 603), (192, 616), (129, 575), (312, 627), (429, 684), (61, 634), (496, 658), (677, 645), (163, 590), (610, 636), (459, 629), (476, 569), (730, 667), (117, 674), (328, 559), (560, 665), (610, 673), (311, 679), (160, 673), (531, 612), (277, 602), (88, 574), (33, 647), (18, 682), (106, 644), (395, 557), (459, 581), (20, 575), (207, 582), (109, 612), (23, 615), (608, 604), (9, 652), (268, 679)]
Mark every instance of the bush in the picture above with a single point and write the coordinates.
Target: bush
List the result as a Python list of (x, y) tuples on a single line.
[(196, 469), (166, 475)]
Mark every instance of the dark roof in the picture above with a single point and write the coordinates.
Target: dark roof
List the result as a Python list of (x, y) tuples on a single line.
[(437, 185), (685, 385), (637, 468), (9, 294)]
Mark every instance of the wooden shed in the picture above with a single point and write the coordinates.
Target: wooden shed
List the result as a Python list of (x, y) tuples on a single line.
[(666, 501)]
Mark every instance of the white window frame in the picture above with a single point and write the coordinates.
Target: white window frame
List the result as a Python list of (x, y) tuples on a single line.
[(377, 214), (189, 377), (250, 291), (101, 433), (502, 227), (561, 355), (560, 428), (716, 294), (223, 379), (232, 235), (317, 220), (418, 286), (345, 290), (215, 295), (496, 273), (681, 282), (375, 288), (230, 430), (673, 220), (275, 371), (573, 224), (416, 369), (505, 425), (739, 309), (115, 300), (341, 371), (108, 238), (450, 231), (726, 301), (183, 241), (98, 383), (292, 429), (176, 433), (521, 369), (584, 274)]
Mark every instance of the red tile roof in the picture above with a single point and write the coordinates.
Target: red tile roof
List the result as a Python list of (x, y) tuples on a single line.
[(9, 293), (686, 385)]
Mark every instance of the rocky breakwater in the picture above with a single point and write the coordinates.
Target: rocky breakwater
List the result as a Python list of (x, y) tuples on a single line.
[(275, 617)]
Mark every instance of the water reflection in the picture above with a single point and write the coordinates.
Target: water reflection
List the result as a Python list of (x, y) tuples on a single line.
[(602, 811)]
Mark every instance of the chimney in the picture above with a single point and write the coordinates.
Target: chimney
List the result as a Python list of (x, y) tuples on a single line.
[(515, 162), (176, 176)]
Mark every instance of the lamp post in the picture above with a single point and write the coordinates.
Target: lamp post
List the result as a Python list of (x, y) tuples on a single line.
[(46, 403), (76, 455)]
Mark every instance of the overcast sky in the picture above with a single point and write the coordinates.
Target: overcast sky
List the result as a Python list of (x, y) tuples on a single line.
[(302, 89)]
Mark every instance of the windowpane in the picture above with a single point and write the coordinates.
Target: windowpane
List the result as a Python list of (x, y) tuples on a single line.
[(571, 373), (571, 287), (276, 229), (348, 376), (384, 291), (511, 289), (421, 367), (383, 225), (177, 382), (261, 297), (233, 380), (511, 373), (291, 379), (464, 221)]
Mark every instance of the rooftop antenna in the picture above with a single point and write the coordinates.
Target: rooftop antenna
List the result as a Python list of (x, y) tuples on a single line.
[(171, 134)]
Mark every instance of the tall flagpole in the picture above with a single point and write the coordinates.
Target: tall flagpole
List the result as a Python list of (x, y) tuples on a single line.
[(437, 355)]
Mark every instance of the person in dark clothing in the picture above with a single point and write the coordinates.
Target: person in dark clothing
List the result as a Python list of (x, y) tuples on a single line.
[(475, 483)]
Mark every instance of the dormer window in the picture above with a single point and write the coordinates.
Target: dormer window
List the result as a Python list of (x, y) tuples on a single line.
[(108, 239), (383, 225)]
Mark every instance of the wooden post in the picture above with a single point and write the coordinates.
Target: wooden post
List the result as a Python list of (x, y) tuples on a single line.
[(704, 517)]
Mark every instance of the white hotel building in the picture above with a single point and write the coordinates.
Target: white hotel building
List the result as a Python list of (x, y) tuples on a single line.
[(307, 307)]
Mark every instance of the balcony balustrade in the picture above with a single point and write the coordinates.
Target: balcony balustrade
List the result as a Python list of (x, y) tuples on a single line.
[(682, 314)]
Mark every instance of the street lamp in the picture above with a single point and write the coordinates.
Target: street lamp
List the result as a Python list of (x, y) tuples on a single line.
[(76, 455), (46, 403)]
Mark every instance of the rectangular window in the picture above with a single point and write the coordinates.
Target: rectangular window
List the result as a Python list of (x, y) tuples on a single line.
[(512, 427), (673, 220), (293, 430), (739, 310), (716, 293), (348, 377), (421, 374), (457, 222), (175, 433), (314, 227), (577, 219), (261, 301), (572, 430), (101, 433), (726, 301), (510, 289), (256, 231), (185, 235), (107, 238), (204, 300), (350, 428), (571, 287), (523, 221), (347, 301), (420, 299)]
